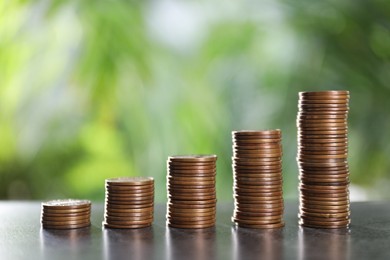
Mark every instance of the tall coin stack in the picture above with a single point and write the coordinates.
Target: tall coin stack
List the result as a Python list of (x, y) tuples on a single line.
[(322, 159), (129, 202), (191, 191), (66, 214), (257, 170)]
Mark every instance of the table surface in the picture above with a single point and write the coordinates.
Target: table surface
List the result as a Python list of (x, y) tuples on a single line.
[(21, 237)]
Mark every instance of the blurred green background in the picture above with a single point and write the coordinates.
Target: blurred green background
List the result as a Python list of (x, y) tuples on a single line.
[(97, 89)]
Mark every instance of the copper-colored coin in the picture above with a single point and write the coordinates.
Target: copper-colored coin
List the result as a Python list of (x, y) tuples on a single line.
[(190, 213), (304, 104), (131, 222), (313, 116), (259, 183), (124, 200), (269, 226), (268, 176), (190, 183), (130, 181), (326, 215), (66, 211), (276, 167), (131, 214), (65, 218), (276, 156), (63, 223), (340, 223), (115, 211), (191, 186), (200, 202), (130, 189), (191, 226), (194, 158), (304, 152), (192, 198), (312, 198), (323, 141), (176, 193), (114, 205), (110, 219), (303, 208), (260, 152), (190, 206), (66, 204), (187, 190), (254, 216), (190, 217), (242, 172), (324, 182), (191, 178), (121, 226), (308, 207), (324, 203), (340, 102), (131, 194), (192, 169), (263, 210), (320, 156), (256, 141), (323, 187), (254, 162), (257, 146), (257, 214), (70, 226), (256, 221), (257, 132), (200, 163), (329, 164), (191, 174), (45, 214), (259, 188), (329, 192), (333, 94), (319, 219), (189, 222), (240, 178)]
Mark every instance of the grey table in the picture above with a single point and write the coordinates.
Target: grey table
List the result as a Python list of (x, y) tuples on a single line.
[(21, 237)]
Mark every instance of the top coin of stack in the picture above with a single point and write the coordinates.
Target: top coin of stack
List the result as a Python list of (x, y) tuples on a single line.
[(322, 159), (257, 170), (129, 202), (191, 191), (66, 214)]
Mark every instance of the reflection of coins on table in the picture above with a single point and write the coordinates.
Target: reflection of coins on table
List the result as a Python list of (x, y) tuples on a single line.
[(66, 214), (322, 159), (129, 202), (257, 175), (191, 191)]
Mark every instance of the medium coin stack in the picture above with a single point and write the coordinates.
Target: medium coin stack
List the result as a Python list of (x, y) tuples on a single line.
[(191, 191), (66, 214), (257, 170), (322, 159), (129, 202)]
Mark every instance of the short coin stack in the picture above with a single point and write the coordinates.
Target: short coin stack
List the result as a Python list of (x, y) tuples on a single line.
[(66, 214), (191, 191), (257, 170), (129, 202), (322, 159)]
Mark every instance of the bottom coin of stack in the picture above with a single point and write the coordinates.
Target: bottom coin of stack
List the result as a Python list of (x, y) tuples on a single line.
[(191, 191), (129, 202), (66, 214), (257, 170)]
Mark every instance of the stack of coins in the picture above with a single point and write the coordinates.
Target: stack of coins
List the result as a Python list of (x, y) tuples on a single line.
[(66, 214), (322, 159), (191, 191), (257, 170), (129, 202)]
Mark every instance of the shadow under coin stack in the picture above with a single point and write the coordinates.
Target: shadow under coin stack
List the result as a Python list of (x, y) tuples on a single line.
[(257, 170), (191, 191), (66, 214), (322, 159), (129, 202)]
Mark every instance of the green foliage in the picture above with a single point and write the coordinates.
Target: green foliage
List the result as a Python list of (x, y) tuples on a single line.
[(93, 89)]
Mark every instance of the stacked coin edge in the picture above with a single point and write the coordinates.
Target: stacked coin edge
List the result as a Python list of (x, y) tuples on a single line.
[(129, 202), (191, 191), (257, 171), (322, 159), (66, 214)]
